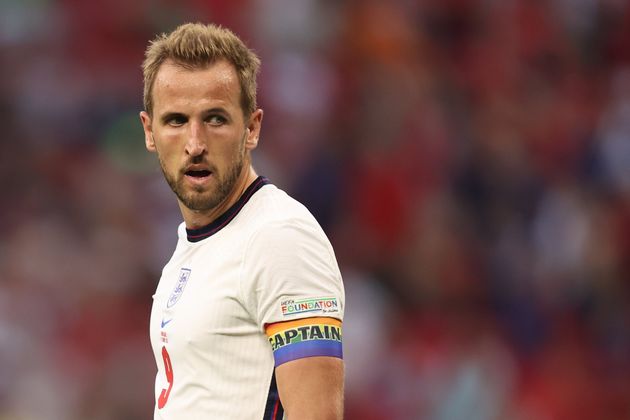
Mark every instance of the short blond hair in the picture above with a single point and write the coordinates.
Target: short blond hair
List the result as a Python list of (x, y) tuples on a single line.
[(195, 45)]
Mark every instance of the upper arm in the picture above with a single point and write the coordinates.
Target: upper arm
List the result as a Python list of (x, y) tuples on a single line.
[(295, 290), (287, 265), (312, 388), (309, 367)]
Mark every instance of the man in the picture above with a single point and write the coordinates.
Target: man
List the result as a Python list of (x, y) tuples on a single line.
[(246, 318)]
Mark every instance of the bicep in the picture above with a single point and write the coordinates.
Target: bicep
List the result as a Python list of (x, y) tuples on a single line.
[(312, 387)]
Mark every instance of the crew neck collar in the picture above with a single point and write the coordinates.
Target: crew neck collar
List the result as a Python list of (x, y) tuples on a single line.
[(196, 235)]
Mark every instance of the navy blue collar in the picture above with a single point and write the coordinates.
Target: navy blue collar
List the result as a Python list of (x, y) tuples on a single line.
[(196, 235)]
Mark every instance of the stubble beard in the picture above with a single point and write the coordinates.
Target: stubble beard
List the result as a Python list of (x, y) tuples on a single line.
[(199, 198)]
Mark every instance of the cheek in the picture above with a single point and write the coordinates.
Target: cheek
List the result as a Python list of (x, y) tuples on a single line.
[(167, 146), (168, 157), (227, 149)]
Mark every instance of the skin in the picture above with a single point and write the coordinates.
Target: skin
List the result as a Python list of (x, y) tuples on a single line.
[(312, 388), (197, 124)]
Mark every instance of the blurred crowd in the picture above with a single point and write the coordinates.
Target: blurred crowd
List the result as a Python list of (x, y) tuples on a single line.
[(469, 160)]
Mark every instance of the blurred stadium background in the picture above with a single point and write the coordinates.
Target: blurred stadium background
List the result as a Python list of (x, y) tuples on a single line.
[(469, 159)]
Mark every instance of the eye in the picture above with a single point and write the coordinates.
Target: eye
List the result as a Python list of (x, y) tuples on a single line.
[(176, 120), (216, 120)]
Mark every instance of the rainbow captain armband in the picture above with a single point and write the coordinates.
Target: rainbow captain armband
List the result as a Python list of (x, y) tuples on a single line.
[(306, 337)]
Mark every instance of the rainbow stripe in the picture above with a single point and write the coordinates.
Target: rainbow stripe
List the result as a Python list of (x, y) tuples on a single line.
[(308, 337)]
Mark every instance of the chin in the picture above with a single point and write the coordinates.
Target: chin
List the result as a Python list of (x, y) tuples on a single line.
[(201, 201)]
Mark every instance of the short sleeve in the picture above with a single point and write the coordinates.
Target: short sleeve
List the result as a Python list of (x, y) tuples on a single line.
[(290, 272)]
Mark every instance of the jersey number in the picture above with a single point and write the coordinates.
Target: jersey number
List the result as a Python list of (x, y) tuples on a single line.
[(168, 368)]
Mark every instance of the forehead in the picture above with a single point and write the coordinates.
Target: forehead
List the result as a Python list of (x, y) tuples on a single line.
[(180, 87)]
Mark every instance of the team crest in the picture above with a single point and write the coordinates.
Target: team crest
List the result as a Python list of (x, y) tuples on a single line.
[(184, 274)]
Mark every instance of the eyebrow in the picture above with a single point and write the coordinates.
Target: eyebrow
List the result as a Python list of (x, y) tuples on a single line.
[(216, 110), (168, 115)]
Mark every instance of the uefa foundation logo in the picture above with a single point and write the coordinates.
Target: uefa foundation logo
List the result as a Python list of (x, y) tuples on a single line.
[(318, 304), (184, 274)]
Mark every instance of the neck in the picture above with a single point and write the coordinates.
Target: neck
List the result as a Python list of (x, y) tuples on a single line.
[(195, 219)]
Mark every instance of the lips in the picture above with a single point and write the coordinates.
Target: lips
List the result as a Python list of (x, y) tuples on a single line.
[(201, 173), (198, 174)]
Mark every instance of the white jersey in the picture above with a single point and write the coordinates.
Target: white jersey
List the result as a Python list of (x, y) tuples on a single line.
[(266, 260)]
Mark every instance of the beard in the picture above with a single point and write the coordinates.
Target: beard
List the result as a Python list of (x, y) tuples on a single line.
[(201, 198)]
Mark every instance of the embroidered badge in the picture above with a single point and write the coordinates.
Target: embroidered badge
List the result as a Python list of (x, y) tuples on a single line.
[(324, 305), (184, 274)]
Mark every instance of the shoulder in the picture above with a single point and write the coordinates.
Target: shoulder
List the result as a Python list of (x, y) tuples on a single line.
[(273, 211), (286, 238), (276, 203)]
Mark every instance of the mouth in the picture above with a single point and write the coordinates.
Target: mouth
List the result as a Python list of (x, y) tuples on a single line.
[(203, 173), (198, 176)]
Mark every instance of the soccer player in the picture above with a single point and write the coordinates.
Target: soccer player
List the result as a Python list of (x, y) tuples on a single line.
[(246, 318)]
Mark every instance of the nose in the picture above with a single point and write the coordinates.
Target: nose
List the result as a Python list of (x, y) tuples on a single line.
[(196, 145)]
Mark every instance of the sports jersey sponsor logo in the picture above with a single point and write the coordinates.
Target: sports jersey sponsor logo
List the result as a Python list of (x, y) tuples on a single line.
[(184, 274), (321, 304)]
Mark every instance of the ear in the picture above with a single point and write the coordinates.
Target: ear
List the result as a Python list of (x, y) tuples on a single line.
[(253, 129), (149, 142)]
